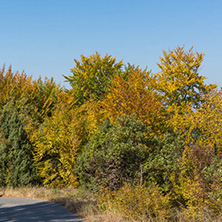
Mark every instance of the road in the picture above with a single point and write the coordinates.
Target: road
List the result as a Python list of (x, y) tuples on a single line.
[(29, 210)]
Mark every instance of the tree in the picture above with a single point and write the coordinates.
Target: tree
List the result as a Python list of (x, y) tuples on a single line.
[(13, 85), (202, 126), (134, 95), (179, 81), (163, 159), (42, 94), (16, 159), (91, 76), (206, 123), (56, 146), (114, 155), (46, 94)]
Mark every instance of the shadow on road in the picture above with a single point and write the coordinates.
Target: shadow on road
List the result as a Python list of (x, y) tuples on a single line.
[(36, 212)]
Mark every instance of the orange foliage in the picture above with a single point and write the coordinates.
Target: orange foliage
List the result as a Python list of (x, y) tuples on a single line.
[(133, 96)]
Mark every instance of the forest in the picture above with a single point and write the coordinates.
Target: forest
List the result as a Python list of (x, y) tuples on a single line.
[(148, 143)]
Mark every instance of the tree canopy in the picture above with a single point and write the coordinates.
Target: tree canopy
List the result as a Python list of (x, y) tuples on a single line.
[(91, 76)]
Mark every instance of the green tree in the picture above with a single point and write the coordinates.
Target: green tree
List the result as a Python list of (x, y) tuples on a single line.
[(91, 76), (16, 159), (115, 155), (163, 159)]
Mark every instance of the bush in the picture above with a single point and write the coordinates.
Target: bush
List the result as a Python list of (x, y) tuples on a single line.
[(115, 155), (163, 159), (137, 203)]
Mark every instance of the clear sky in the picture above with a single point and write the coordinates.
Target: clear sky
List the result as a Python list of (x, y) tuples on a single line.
[(43, 37)]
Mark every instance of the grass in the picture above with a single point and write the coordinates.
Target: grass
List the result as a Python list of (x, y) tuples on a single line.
[(77, 201)]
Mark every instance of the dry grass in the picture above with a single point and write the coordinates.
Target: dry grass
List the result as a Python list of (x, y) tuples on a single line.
[(106, 217)]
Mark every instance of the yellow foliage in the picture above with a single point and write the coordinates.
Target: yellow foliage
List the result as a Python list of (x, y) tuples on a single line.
[(182, 89), (91, 76), (56, 148), (194, 186), (41, 94), (203, 125), (87, 118), (14, 85), (208, 120), (179, 80), (134, 96), (60, 138), (137, 203)]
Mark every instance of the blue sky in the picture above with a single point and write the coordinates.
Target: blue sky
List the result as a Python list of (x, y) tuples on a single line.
[(43, 37)]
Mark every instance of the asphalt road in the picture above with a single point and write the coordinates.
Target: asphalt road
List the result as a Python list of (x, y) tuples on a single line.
[(28, 210)]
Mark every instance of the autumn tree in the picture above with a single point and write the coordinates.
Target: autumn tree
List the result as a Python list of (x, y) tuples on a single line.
[(91, 76), (179, 80), (14, 85), (202, 126), (43, 94), (56, 146), (46, 94), (134, 95), (206, 122)]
